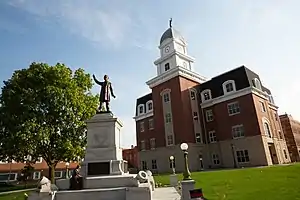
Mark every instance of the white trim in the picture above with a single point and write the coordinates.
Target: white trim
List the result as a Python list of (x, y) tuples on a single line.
[(152, 121), (203, 97), (206, 115), (147, 105), (143, 147), (39, 175), (152, 141), (215, 136), (235, 127), (138, 109), (174, 52), (265, 120), (143, 116), (226, 83), (61, 173), (39, 160), (169, 40), (142, 126), (174, 72), (262, 106), (165, 91), (257, 83), (195, 92), (16, 176), (233, 103)]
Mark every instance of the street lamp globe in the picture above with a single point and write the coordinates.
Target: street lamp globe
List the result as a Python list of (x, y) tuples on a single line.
[(184, 146), (171, 157), (67, 164)]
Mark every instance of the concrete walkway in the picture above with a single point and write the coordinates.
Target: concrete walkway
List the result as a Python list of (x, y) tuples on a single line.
[(165, 193)]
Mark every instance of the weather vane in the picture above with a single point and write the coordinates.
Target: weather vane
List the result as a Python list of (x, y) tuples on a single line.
[(170, 22)]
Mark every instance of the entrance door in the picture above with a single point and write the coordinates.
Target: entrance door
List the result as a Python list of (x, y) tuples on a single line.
[(273, 153)]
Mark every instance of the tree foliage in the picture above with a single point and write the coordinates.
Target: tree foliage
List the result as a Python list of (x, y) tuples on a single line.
[(43, 111)]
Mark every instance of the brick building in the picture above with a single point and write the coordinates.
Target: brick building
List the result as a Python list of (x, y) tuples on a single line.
[(131, 156), (230, 120), (9, 171), (291, 130)]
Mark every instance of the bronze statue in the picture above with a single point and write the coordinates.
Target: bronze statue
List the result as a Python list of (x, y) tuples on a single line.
[(106, 89)]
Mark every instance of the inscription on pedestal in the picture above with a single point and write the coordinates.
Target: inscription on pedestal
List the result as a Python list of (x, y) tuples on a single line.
[(99, 168)]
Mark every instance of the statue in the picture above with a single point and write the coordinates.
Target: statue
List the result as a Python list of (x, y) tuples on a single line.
[(106, 89), (170, 23), (76, 181)]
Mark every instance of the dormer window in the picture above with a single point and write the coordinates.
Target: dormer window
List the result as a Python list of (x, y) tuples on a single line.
[(256, 83), (141, 109), (167, 66), (206, 95), (149, 105), (229, 86)]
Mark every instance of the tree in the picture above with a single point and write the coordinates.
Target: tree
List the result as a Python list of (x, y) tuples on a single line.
[(26, 173), (42, 114)]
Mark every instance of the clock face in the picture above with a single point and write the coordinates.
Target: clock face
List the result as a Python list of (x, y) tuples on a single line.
[(184, 64), (167, 49)]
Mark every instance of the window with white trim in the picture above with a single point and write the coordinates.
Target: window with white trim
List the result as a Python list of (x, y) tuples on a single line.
[(36, 175), (39, 160), (152, 143), (233, 108), (195, 115), (215, 159), (58, 174), (238, 131), (166, 97), (256, 83), (167, 66), (144, 165), (229, 86), (275, 116), (267, 129), (198, 138), (141, 109), (262, 106), (206, 95), (154, 164), (8, 177), (209, 115), (168, 118), (271, 100), (143, 145), (212, 136), (151, 124), (242, 156), (142, 126), (149, 105), (170, 140), (193, 95), (280, 135)]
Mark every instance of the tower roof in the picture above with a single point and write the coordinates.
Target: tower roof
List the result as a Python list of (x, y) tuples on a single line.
[(171, 33)]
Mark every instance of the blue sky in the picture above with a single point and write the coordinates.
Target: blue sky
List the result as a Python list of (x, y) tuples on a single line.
[(120, 38)]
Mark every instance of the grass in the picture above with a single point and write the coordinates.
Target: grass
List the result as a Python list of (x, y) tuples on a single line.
[(276, 182), (13, 196)]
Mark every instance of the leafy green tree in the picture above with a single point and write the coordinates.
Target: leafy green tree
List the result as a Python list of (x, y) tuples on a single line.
[(42, 114), (26, 173)]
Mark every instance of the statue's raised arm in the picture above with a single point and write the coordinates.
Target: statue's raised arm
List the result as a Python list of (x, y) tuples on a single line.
[(105, 92)]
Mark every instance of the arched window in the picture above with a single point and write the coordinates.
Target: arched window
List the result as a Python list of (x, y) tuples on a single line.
[(141, 109), (206, 95), (267, 128), (149, 106), (229, 86), (166, 95), (257, 83)]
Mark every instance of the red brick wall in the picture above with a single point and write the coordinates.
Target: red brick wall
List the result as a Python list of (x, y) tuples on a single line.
[(131, 156)]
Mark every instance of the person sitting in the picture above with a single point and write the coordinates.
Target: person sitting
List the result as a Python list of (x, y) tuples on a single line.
[(76, 182)]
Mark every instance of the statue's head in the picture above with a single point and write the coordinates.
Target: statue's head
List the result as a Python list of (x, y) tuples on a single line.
[(105, 77)]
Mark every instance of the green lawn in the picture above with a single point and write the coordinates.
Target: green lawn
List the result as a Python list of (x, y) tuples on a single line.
[(277, 182), (268, 183)]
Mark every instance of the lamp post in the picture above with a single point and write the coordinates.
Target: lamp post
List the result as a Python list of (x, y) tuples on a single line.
[(67, 169), (172, 163), (233, 156), (186, 174)]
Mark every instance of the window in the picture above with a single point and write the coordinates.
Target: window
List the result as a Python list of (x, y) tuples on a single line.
[(150, 124), (209, 115), (152, 143), (256, 83), (206, 95), (141, 109), (270, 97), (166, 97), (198, 138), (215, 159), (142, 126), (233, 108), (167, 66), (276, 116), (285, 154), (195, 115), (143, 145), (144, 165), (238, 131), (8, 176), (193, 95), (242, 156), (172, 163), (280, 135), (154, 165), (267, 129), (149, 106), (170, 140), (168, 118), (212, 136), (36, 175), (58, 174), (262, 106), (228, 86)]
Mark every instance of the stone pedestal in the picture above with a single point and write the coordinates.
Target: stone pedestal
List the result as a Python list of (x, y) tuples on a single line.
[(173, 180), (186, 186)]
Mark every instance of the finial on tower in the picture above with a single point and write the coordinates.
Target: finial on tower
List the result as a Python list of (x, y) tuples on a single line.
[(170, 22)]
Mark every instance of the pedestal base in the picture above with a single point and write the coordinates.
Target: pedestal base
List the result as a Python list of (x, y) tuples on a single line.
[(173, 180), (110, 181), (186, 186)]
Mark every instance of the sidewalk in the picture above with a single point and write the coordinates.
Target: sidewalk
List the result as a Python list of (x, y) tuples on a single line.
[(165, 193)]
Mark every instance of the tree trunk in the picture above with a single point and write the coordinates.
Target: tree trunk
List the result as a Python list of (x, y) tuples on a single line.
[(52, 173)]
